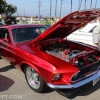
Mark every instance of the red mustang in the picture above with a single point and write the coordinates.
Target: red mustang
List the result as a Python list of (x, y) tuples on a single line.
[(48, 59)]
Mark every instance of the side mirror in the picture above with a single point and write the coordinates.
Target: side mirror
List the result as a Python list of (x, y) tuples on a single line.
[(6, 39)]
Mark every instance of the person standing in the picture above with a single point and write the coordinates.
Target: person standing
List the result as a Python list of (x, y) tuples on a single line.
[(7, 20), (96, 34), (99, 36), (1, 22)]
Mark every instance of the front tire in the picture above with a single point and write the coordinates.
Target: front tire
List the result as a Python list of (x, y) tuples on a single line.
[(34, 80)]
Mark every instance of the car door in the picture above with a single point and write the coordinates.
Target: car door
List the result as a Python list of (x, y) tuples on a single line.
[(5, 45)]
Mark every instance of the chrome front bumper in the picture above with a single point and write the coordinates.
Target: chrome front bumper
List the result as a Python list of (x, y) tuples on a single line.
[(76, 85)]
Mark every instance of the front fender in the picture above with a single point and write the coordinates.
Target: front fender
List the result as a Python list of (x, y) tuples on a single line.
[(45, 71)]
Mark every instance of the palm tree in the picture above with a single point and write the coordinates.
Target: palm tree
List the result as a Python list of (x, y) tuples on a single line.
[(50, 7), (95, 3), (71, 6), (56, 9), (85, 5), (80, 3), (91, 4), (60, 9)]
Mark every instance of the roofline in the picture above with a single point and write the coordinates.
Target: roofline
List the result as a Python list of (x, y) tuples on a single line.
[(20, 25)]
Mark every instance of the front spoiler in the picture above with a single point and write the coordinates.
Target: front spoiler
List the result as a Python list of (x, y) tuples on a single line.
[(76, 85)]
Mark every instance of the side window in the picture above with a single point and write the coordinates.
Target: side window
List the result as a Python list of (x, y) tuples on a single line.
[(4, 33)]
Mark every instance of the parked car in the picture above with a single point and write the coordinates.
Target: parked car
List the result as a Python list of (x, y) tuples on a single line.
[(49, 59), (47, 25), (84, 34), (1, 23)]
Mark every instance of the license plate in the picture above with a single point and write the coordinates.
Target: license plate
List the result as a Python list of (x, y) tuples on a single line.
[(96, 80)]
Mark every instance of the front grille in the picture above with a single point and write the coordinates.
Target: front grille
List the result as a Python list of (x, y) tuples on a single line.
[(86, 71)]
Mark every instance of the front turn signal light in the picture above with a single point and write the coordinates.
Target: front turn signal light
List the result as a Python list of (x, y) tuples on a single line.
[(56, 77)]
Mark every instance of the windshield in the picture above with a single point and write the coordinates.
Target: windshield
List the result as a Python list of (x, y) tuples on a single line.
[(26, 33)]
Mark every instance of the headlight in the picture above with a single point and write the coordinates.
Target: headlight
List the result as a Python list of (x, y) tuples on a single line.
[(56, 77)]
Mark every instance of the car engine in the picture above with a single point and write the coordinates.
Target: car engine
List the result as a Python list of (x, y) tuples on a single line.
[(76, 57)]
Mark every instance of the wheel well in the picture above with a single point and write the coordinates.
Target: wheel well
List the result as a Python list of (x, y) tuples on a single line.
[(23, 67)]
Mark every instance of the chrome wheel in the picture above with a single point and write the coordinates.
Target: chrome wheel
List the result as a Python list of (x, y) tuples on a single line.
[(33, 78)]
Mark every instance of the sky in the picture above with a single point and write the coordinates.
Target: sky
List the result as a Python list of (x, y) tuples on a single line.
[(30, 7)]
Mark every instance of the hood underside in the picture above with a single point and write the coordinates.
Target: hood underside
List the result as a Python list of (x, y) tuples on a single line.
[(68, 24)]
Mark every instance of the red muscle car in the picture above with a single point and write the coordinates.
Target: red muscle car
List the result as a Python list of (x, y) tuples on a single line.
[(48, 59)]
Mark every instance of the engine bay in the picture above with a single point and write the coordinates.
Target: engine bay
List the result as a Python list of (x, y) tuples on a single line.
[(79, 58)]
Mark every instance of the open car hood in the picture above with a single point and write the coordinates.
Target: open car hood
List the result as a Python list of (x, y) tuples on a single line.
[(68, 24)]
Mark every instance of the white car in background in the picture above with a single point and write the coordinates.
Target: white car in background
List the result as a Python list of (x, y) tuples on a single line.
[(85, 34)]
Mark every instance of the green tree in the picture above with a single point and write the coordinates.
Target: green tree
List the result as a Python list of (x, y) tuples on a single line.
[(2, 6), (9, 9)]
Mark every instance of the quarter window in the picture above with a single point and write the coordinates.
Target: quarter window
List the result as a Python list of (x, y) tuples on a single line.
[(4, 33)]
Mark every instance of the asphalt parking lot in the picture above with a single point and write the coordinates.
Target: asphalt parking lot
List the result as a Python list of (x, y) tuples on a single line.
[(13, 86)]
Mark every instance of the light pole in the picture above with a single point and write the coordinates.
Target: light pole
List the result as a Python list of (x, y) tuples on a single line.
[(39, 4), (17, 14), (24, 13)]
